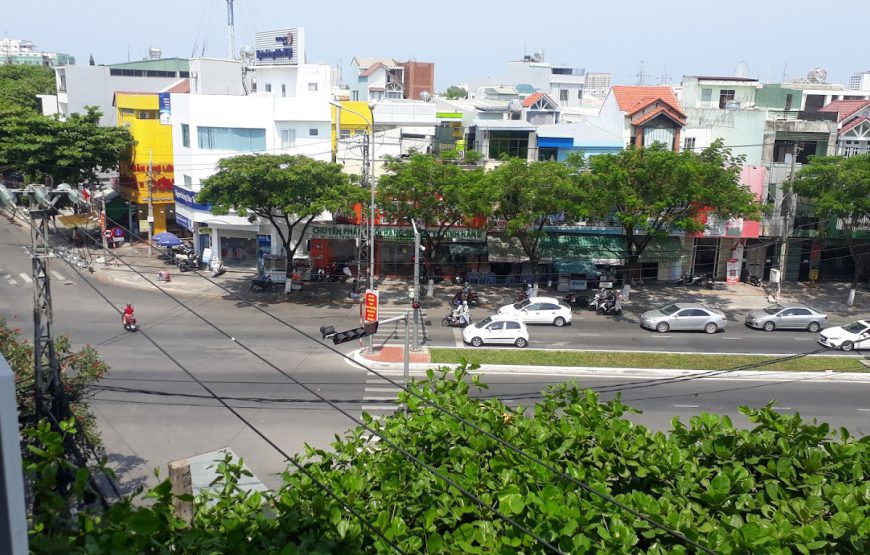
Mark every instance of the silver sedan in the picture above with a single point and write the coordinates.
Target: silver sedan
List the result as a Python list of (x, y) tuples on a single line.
[(795, 317), (684, 317)]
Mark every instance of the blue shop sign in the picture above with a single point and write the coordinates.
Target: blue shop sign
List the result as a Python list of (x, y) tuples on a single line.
[(188, 198), (183, 221)]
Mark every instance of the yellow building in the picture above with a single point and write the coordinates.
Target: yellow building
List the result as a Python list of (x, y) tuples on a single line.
[(151, 160), (350, 119)]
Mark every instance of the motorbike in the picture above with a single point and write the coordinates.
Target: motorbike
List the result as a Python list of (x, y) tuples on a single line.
[(597, 299), (573, 300), (468, 295), (129, 322), (610, 305), (216, 267), (690, 279), (754, 281), (453, 320), (709, 281), (263, 282)]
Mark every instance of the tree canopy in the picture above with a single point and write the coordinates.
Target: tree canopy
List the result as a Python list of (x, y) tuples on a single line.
[(780, 486), (523, 194), (839, 189), (653, 190), (19, 85), (438, 194), (287, 191), (454, 91), (72, 151)]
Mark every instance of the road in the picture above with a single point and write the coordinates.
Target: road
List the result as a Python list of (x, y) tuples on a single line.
[(151, 411)]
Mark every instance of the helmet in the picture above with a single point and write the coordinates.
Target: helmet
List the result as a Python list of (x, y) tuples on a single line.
[(464, 304)]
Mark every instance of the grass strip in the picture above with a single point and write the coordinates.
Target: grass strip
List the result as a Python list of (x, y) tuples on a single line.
[(532, 357)]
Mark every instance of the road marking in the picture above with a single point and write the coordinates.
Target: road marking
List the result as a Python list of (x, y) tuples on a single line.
[(662, 335), (804, 338), (26, 278), (382, 389), (457, 335), (382, 381), (589, 334), (58, 275), (11, 280), (734, 338), (863, 410), (379, 397), (686, 406), (379, 407)]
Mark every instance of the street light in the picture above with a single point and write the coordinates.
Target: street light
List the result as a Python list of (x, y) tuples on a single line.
[(368, 171)]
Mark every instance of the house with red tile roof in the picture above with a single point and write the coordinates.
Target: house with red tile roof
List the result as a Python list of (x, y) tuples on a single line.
[(853, 125), (644, 115)]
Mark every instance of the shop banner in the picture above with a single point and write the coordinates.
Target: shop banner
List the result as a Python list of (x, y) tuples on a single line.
[(392, 233), (164, 108), (182, 220)]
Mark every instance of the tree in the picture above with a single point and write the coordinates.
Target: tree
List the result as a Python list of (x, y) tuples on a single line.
[(72, 151), (780, 486), (454, 91), (839, 189), (438, 194), (19, 85), (654, 191), (523, 194), (287, 191)]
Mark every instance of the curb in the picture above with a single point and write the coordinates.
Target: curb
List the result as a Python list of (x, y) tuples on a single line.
[(419, 369)]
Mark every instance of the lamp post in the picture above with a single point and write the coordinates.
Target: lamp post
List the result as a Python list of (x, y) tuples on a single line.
[(368, 173), (416, 298)]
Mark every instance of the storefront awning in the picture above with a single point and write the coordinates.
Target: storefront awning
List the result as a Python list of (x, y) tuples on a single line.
[(468, 249), (607, 249), (504, 249)]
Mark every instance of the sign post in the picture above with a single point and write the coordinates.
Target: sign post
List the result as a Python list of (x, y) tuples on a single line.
[(370, 311)]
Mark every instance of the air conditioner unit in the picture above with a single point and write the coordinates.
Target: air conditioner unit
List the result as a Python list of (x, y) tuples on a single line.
[(775, 275)]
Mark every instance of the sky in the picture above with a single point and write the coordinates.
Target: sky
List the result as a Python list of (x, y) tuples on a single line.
[(475, 38)]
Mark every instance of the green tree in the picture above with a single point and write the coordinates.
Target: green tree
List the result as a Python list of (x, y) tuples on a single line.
[(523, 194), (839, 189), (654, 190), (72, 151), (438, 194), (780, 486), (287, 191), (19, 85), (454, 91)]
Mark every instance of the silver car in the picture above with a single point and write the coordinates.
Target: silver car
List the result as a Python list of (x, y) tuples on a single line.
[(795, 317), (683, 317)]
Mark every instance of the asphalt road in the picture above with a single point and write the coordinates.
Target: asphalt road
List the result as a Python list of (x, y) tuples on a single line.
[(152, 412)]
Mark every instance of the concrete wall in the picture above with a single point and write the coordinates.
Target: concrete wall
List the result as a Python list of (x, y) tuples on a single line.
[(215, 76), (742, 130)]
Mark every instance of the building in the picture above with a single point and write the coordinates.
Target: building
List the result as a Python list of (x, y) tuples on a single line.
[(853, 126), (24, 52), (385, 78), (859, 81), (419, 78), (644, 115)]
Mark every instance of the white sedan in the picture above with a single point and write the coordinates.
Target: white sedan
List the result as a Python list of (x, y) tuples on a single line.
[(851, 336), (539, 310), (498, 329)]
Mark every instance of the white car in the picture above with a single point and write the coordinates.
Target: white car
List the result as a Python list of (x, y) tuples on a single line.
[(851, 336), (539, 310), (498, 329)]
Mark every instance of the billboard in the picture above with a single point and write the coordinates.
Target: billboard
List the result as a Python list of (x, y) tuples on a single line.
[(164, 108), (279, 47)]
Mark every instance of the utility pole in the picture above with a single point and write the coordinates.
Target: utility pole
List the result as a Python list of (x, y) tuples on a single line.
[(150, 204), (416, 298), (104, 217), (788, 200), (231, 29)]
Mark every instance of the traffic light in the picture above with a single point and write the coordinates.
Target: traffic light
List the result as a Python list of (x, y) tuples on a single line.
[(370, 328)]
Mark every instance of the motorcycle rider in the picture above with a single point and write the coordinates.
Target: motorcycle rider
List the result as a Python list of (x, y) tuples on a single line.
[(464, 314), (127, 318)]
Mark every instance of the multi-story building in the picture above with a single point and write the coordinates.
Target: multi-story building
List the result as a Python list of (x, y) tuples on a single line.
[(644, 115), (385, 78), (24, 52), (859, 81), (853, 126)]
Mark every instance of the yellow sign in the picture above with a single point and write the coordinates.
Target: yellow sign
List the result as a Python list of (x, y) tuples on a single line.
[(814, 274)]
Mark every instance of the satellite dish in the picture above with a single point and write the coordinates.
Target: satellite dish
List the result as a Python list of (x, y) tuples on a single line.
[(246, 53), (817, 75), (515, 106), (742, 70), (425, 96)]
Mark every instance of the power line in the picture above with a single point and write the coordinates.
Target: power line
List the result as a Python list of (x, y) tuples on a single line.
[(583, 485)]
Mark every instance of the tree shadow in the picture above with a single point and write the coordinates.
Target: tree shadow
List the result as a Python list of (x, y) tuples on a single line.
[(130, 470)]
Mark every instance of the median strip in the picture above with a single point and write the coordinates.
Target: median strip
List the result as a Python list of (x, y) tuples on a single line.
[(605, 359)]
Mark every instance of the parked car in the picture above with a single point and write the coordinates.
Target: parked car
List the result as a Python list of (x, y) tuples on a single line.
[(794, 317), (498, 329), (851, 336), (539, 310), (683, 317)]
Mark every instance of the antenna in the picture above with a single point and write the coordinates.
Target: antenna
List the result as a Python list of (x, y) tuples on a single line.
[(195, 44), (641, 76), (231, 28), (664, 78), (202, 52)]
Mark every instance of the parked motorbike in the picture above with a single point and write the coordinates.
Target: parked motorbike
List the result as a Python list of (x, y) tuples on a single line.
[(597, 299), (573, 300), (754, 281), (129, 322), (709, 281), (216, 267), (612, 304), (262, 282), (690, 279)]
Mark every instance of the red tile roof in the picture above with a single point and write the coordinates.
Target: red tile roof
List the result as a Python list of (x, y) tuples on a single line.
[(180, 86), (844, 108), (631, 99), (661, 110), (852, 124), (531, 99)]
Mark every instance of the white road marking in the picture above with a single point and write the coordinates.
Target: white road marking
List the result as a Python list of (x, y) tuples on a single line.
[(589, 334), (379, 407), (11, 280), (457, 335), (686, 406), (26, 278), (58, 275), (662, 335), (734, 338), (863, 410), (382, 389), (379, 398), (382, 381), (804, 338)]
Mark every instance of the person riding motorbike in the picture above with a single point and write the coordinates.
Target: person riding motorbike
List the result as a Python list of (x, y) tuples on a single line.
[(127, 318)]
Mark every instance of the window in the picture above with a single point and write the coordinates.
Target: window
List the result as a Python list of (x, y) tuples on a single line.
[(689, 143), (512, 325), (580, 94), (312, 87), (725, 96), (62, 87), (127, 111), (283, 89), (706, 95), (231, 138), (187, 180), (313, 132), (268, 87), (549, 306), (344, 134), (185, 135), (355, 96), (495, 326), (563, 95), (788, 100), (802, 312), (288, 137)]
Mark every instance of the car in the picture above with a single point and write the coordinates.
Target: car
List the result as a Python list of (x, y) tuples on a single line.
[(539, 310), (851, 336), (683, 317), (497, 329), (777, 317)]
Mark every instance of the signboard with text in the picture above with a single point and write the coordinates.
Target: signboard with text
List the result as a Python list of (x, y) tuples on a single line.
[(392, 233), (164, 108), (370, 306), (279, 47)]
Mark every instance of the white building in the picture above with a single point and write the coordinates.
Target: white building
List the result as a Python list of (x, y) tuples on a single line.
[(288, 114)]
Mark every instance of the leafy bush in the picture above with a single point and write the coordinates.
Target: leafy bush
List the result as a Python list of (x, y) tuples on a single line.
[(784, 486)]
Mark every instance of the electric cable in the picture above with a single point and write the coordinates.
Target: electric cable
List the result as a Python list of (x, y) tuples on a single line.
[(247, 423), (407, 454), (583, 485)]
